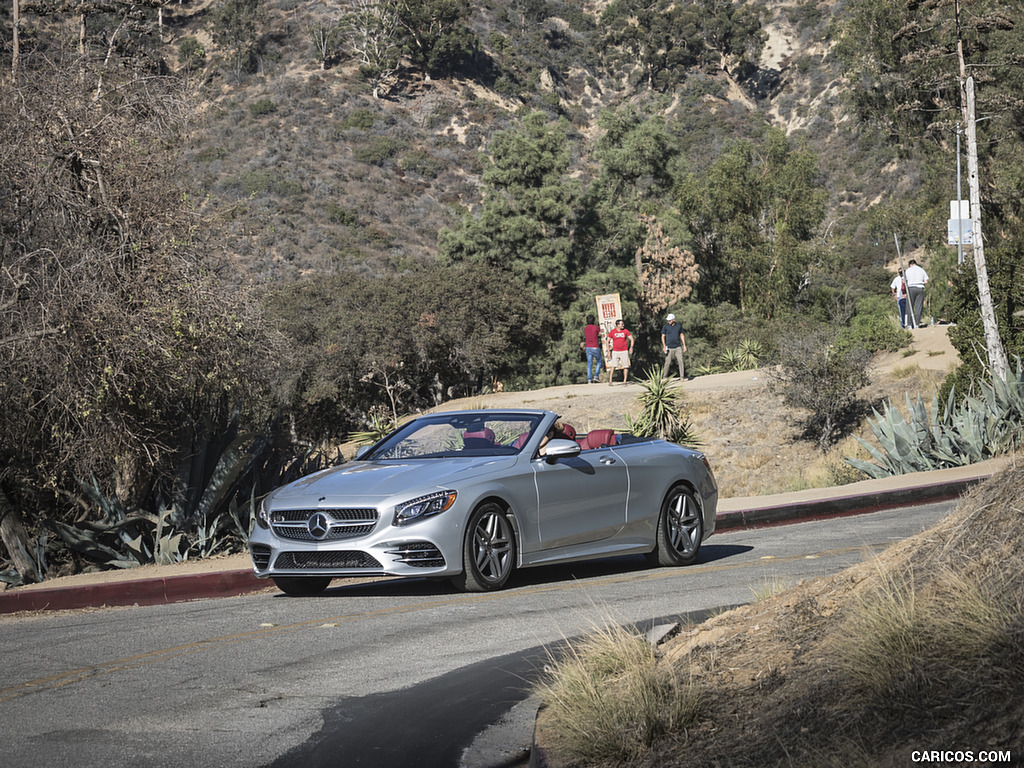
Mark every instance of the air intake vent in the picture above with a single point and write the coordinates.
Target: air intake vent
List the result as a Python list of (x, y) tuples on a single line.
[(300, 561)]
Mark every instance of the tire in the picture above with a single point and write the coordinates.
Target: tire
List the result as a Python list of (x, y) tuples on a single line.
[(488, 552), (302, 586), (680, 529)]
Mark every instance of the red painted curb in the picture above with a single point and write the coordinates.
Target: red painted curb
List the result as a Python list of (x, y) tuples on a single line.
[(171, 589)]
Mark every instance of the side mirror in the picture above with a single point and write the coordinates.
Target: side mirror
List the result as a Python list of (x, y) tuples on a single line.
[(558, 449), (362, 451)]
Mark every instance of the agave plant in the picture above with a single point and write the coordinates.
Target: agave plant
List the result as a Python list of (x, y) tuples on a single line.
[(978, 428), (207, 509)]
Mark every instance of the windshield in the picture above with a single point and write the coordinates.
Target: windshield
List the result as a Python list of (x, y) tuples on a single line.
[(446, 435)]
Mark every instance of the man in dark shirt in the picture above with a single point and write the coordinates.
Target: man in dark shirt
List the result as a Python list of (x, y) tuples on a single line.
[(673, 344)]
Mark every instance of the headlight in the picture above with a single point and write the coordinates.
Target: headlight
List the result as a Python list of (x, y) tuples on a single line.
[(263, 515), (424, 506)]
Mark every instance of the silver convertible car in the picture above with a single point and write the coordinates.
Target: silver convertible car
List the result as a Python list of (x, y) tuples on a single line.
[(472, 495)]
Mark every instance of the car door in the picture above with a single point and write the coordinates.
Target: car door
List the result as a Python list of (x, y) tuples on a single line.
[(580, 498)]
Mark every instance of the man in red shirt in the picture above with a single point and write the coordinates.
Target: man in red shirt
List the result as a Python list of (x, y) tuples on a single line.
[(622, 347), (592, 346)]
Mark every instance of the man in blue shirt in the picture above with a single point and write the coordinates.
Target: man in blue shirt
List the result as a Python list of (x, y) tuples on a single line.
[(673, 344)]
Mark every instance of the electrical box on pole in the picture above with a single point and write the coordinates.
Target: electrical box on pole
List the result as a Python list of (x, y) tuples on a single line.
[(960, 227)]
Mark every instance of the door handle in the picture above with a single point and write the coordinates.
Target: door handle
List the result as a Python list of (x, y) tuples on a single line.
[(607, 459)]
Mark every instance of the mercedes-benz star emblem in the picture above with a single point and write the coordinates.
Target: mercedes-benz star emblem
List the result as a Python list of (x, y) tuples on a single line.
[(318, 526)]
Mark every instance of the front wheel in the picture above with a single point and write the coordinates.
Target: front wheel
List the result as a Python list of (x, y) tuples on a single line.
[(680, 529), (489, 551), (302, 586)]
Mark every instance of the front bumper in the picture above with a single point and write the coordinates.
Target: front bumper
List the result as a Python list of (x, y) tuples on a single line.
[(353, 545)]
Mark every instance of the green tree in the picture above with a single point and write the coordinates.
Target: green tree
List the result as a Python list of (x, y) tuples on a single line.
[(752, 218), (403, 341), (634, 155), (1006, 276), (525, 222), (436, 34), (664, 41), (237, 29)]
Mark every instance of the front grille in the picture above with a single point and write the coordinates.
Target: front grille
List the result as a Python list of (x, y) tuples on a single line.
[(297, 561), (260, 556), (418, 554), (292, 524)]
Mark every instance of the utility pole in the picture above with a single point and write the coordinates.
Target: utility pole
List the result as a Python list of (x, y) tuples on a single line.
[(993, 344), (959, 197)]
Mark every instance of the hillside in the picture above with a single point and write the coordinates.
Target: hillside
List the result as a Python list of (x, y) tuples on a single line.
[(309, 174)]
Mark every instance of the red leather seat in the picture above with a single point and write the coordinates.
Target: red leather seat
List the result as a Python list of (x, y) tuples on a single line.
[(483, 438), (597, 438)]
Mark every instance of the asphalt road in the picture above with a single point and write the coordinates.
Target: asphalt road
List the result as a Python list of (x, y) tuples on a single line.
[(390, 673)]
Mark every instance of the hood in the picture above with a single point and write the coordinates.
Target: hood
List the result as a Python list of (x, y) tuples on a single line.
[(369, 482)]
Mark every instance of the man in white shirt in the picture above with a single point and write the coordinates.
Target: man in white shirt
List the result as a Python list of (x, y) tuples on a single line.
[(898, 289), (917, 278)]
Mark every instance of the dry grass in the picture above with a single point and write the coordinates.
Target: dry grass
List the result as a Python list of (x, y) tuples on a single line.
[(905, 640), (608, 700), (921, 647)]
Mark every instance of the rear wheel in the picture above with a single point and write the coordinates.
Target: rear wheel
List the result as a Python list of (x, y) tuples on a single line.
[(680, 529), (489, 551), (302, 586)]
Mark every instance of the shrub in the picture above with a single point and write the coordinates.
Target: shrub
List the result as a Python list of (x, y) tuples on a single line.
[(818, 374), (360, 119), (611, 700), (874, 327), (418, 161), (262, 107), (378, 151), (191, 54)]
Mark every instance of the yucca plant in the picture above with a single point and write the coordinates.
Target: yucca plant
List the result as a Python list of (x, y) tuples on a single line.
[(662, 410), (750, 352), (731, 360), (380, 425)]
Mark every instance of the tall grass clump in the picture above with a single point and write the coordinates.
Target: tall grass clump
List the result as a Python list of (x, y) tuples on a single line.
[(906, 645), (609, 698), (947, 627)]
